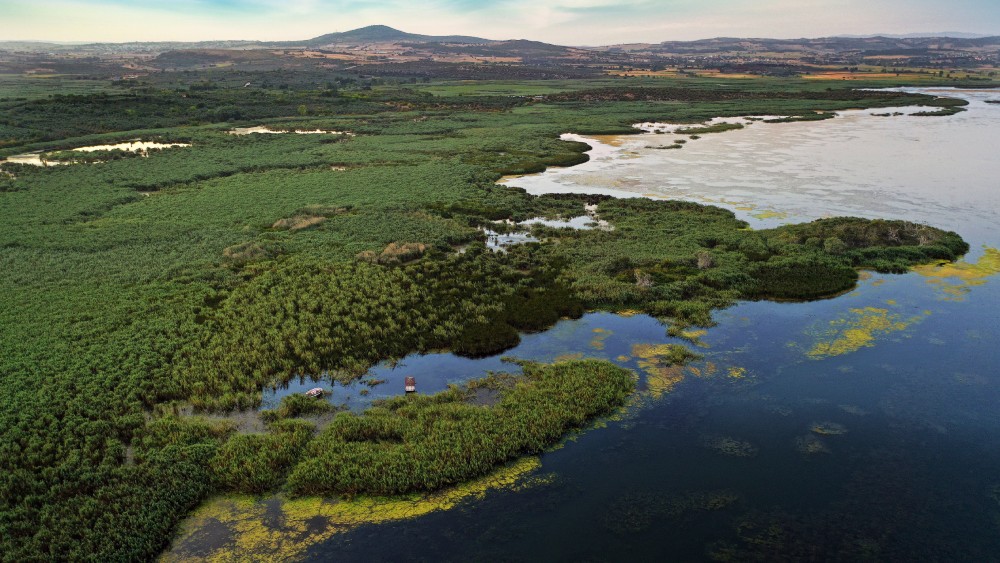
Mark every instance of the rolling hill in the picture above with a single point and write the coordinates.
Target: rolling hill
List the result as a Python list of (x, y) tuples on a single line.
[(386, 34)]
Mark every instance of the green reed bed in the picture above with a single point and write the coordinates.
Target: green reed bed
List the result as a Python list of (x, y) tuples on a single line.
[(427, 442)]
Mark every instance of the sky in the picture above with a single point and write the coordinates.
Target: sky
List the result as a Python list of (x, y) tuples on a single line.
[(565, 22)]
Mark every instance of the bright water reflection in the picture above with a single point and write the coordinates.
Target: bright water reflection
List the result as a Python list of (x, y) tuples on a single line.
[(942, 171)]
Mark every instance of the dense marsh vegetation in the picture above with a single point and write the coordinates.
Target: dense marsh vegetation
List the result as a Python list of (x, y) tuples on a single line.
[(201, 274), (427, 442)]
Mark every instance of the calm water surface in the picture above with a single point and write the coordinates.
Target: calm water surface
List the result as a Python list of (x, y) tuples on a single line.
[(865, 427)]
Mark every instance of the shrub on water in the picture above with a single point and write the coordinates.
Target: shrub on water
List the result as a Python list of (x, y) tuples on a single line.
[(254, 463), (485, 339), (801, 277), (296, 404)]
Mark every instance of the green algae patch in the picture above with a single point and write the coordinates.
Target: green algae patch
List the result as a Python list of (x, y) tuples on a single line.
[(769, 214), (637, 511), (627, 313), (859, 329), (828, 429), (663, 365), (245, 528), (600, 336), (853, 409), (694, 336), (729, 446), (779, 410), (736, 372), (954, 280), (706, 371), (811, 445)]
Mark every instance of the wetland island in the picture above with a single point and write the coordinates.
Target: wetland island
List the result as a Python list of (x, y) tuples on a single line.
[(360, 296)]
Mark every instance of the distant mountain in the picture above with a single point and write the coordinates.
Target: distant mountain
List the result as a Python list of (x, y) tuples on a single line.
[(535, 51), (130, 47), (370, 34), (536, 47), (29, 45), (877, 44), (941, 34), (527, 50), (386, 34)]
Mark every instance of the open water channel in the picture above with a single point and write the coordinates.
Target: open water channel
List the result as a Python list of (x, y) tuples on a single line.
[(865, 427)]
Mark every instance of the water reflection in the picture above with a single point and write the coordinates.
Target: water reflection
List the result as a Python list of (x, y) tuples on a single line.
[(595, 335)]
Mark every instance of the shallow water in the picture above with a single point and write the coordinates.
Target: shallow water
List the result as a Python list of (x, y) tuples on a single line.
[(132, 146), (265, 130), (36, 158), (863, 427), (501, 240), (31, 159)]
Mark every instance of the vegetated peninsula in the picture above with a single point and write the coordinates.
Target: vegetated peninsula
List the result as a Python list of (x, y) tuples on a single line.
[(139, 287)]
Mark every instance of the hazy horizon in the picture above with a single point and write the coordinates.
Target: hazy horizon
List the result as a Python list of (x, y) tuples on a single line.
[(915, 34), (565, 22)]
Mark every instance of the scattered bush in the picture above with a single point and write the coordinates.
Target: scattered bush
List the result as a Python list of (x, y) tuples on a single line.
[(297, 405)]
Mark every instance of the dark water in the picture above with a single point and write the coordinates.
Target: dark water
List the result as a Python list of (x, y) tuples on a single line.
[(915, 475), (865, 427)]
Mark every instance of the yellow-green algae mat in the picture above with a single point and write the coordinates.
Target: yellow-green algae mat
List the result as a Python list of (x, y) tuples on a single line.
[(955, 279), (247, 528), (860, 328)]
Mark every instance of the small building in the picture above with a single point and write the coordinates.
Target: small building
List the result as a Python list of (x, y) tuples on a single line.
[(411, 384)]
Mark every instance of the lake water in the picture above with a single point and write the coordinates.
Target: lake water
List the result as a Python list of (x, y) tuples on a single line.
[(940, 171), (863, 427)]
